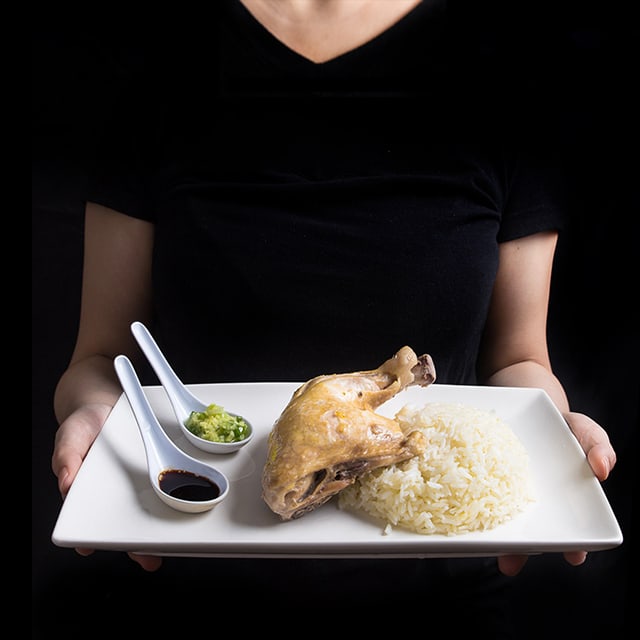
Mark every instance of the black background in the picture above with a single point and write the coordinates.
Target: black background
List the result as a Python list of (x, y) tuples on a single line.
[(593, 324)]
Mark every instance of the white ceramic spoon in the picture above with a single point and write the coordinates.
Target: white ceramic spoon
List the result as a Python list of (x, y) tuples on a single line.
[(179, 480), (182, 400)]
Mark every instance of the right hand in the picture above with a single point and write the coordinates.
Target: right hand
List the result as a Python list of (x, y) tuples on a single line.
[(72, 442)]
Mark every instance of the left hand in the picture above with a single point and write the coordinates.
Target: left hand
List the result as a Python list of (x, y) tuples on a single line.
[(595, 442)]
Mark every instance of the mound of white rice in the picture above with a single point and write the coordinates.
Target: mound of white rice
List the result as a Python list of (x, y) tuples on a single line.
[(473, 475)]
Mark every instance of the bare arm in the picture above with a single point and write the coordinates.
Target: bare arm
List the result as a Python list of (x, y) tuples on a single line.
[(116, 290), (515, 351), (116, 286)]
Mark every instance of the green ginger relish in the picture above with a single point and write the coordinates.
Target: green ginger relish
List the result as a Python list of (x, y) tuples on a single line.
[(217, 425)]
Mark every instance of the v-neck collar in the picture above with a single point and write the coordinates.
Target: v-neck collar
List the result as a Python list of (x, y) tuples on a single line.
[(273, 43)]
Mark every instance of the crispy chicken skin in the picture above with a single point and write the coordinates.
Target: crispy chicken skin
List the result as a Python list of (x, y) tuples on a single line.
[(329, 434)]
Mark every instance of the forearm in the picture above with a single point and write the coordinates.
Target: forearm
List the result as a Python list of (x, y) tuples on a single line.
[(91, 381), (531, 374)]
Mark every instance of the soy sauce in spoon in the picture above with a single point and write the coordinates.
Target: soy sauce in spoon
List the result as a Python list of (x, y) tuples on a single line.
[(186, 485)]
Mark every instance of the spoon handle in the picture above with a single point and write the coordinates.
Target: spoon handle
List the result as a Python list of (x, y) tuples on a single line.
[(147, 422), (182, 400)]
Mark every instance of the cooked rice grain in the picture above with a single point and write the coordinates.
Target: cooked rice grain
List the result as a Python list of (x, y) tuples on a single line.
[(473, 475)]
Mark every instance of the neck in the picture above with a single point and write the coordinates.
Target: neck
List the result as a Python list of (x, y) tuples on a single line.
[(322, 29)]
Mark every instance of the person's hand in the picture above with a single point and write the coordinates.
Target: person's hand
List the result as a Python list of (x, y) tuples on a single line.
[(72, 442), (602, 458)]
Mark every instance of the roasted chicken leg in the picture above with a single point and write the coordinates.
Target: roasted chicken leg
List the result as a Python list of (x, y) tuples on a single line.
[(328, 435)]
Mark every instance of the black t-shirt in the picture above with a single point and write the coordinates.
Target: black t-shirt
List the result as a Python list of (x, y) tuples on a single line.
[(314, 218)]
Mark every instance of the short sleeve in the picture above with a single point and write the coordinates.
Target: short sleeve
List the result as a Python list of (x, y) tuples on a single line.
[(536, 197)]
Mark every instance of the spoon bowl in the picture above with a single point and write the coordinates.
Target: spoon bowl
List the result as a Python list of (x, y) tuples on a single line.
[(182, 400), (180, 481)]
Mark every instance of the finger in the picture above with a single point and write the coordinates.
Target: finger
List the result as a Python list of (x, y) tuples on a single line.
[(76, 434), (587, 431), (148, 563), (511, 565), (595, 442), (67, 457), (65, 479), (602, 460), (84, 552), (575, 558)]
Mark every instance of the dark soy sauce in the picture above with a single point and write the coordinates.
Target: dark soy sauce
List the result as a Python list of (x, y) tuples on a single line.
[(186, 485)]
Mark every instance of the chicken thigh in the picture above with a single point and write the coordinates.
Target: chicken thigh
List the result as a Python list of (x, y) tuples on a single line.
[(329, 435)]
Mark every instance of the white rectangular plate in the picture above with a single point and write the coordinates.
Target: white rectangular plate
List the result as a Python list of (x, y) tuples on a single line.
[(111, 504)]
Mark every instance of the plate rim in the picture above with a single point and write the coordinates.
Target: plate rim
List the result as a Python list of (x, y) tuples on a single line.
[(418, 545)]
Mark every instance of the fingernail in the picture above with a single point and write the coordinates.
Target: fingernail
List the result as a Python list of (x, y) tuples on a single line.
[(62, 479)]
